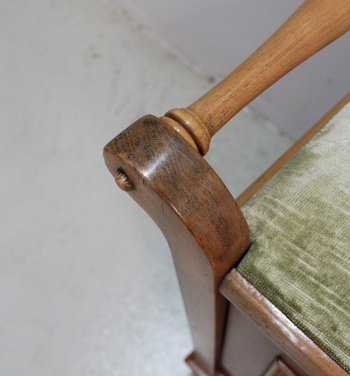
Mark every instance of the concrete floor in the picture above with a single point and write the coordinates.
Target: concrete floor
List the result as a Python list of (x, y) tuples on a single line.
[(86, 280)]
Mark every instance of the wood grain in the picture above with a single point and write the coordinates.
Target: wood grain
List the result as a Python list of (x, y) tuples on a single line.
[(289, 338), (157, 162), (203, 225), (314, 25)]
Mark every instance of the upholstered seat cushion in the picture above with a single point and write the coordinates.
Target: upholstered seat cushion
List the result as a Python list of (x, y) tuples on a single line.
[(300, 229)]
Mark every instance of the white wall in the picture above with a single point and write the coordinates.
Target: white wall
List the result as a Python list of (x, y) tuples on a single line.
[(218, 35)]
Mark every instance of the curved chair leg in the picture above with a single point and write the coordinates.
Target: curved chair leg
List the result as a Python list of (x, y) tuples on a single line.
[(202, 223)]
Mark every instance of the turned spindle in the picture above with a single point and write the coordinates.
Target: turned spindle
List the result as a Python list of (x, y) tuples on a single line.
[(314, 25), (158, 161)]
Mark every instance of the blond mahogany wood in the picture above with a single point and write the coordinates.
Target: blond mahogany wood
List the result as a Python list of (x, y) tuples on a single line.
[(293, 342), (203, 225), (157, 163), (291, 152), (314, 25)]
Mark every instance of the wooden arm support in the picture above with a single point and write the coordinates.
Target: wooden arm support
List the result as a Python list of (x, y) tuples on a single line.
[(205, 229), (314, 25), (157, 162)]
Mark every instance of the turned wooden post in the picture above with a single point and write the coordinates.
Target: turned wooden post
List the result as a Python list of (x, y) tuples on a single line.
[(314, 25), (156, 161)]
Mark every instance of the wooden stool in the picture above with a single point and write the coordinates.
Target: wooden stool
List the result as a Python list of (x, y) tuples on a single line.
[(159, 162)]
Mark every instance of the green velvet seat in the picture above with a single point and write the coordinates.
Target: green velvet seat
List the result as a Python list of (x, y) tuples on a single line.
[(300, 229)]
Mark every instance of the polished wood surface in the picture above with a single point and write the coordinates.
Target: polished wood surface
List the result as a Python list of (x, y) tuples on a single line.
[(314, 25), (157, 162), (290, 153), (289, 338), (203, 225)]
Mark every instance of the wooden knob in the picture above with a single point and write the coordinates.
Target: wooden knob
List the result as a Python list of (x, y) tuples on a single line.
[(123, 181)]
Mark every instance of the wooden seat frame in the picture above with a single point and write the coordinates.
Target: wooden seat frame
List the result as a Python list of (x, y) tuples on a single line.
[(159, 162)]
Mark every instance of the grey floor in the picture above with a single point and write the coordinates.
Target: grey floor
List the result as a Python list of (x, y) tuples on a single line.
[(87, 285)]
